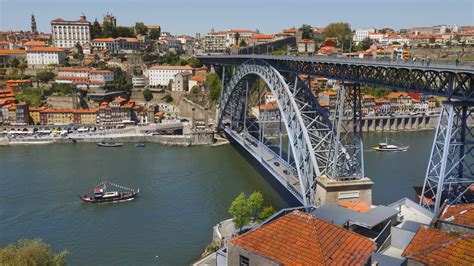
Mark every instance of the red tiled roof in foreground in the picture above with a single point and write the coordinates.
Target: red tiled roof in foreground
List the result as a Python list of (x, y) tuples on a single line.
[(300, 238), (461, 214), (434, 247)]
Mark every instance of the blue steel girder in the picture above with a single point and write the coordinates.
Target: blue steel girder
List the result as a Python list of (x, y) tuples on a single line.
[(310, 132), (450, 81)]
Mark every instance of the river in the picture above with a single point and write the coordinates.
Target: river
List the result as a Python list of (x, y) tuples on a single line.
[(183, 193)]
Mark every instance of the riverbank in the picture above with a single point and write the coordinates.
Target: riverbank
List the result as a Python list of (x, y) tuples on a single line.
[(192, 139)]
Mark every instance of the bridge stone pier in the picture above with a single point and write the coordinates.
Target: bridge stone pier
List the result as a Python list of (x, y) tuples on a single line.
[(319, 158)]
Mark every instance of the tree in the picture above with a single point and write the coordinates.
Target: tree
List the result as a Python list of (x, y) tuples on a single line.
[(22, 66), (31, 252), (240, 211), (236, 38), (366, 43), (122, 31), (168, 98), (255, 204), (121, 81), (154, 34), (45, 76), (108, 30), (96, 30), (15, 62), (242, 43), (214, 85), (140, 28), (266, 213), (194, 62), (80, 53), (147, 95), (307, 31), (341, 31)]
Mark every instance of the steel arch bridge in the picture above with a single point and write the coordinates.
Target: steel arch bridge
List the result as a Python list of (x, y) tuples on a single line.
[(311, 136), (317, 143)]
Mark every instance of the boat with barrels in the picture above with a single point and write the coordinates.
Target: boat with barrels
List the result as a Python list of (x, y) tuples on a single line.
[(102, 194)]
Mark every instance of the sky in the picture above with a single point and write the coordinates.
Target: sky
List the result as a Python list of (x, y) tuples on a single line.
[(193, 16)]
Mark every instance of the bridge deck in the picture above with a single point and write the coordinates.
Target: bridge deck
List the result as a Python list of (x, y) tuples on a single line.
[(438, 66), (268, 159)]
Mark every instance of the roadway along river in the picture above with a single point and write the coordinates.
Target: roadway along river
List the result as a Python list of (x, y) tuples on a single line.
[(183, 193)]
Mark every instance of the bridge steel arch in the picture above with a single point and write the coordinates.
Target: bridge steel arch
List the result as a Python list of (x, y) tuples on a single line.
[(310, 133)]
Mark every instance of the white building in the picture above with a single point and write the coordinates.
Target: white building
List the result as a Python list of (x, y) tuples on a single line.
[(44, 56), (244, 35), (160, 76), (215, 42), (361, 34), (109, 44), (83, 75), (66, 33), (138, 81)]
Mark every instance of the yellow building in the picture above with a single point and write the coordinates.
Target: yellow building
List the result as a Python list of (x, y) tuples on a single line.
[(85, 116), (34, 113), (62, 116)]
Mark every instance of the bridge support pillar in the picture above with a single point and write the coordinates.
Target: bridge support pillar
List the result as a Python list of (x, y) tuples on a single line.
[(337, 191)]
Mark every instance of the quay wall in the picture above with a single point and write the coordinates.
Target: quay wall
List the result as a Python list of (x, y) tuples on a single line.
[(397, 123), (193, 139)]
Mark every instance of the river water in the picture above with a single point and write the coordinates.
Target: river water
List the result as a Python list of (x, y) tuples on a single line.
[(183, 193)]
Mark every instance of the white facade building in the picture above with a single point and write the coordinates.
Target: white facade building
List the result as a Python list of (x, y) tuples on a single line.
[(84, 75), (66, 34), (244, 35), (361, 34), (162, 75), (109, 44), (215, 42), (44, 56)]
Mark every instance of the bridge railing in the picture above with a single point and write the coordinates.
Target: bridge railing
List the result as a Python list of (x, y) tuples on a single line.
[(422, 64)]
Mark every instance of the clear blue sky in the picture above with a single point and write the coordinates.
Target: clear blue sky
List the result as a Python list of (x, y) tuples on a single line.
[(269, 16)]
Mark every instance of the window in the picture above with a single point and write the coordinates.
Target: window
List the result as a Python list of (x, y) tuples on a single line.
[(244, 261)]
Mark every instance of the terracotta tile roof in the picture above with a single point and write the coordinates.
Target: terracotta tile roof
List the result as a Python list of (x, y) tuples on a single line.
[(160, 114), (85, 111), (36, 109), (269, 106), (368, 96), (306, 41), (100, 71), (330, 92), (434, 247), (262, 36), (45, 49), (172, 68), (73, 69), (381, 100), (58, 110), (103, 40), (35, 43), (71, 78), (128, 39), (461, 214), (119, 100), (4, 43), (153, 27), (358, 206), (199, 78), (81, 20), (11, 52), (240, 31), (393, 95), (300, 238)]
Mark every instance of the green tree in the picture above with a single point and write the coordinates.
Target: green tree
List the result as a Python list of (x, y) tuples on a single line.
[(61, 89), (45, 76), (240, 211), (80, 53), (140, 28), (366, 43), (194, 62), (242, 43), (154, 34), (32, 96), (341, 31), (307, 31), (22, 66), (147, 95), (255, 204), (31, 252), (96, 30), (122, 31), (15, 62), (214, 85), (122, 81), (168, 98), (265, 214), (108, 30), (236, 38)]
